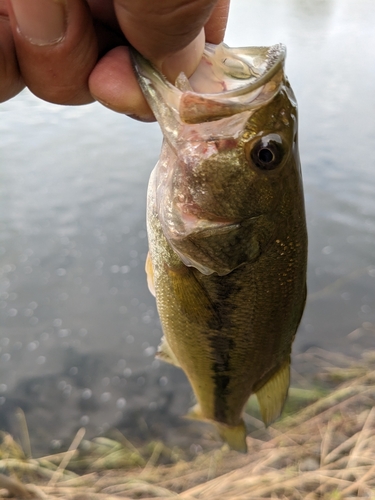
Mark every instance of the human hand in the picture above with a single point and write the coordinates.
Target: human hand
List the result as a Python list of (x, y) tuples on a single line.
[(75, 51)]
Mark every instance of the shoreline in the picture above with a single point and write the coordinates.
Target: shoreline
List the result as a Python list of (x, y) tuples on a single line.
[(327, 447)]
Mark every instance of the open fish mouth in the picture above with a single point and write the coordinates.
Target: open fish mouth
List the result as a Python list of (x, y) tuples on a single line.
[(227, 81)]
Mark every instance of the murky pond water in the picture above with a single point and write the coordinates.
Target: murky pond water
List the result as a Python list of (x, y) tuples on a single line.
[(78, 327)]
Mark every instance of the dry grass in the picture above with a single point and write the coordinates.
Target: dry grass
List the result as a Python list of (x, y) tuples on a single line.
[(324, 451)]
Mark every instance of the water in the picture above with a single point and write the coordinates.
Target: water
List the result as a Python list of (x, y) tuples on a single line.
[(78, 326)]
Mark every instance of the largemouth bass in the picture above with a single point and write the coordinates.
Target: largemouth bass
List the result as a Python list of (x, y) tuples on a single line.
[(227, 231)]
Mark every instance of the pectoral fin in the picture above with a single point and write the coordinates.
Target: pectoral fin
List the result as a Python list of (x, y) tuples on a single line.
[(191, 297), (271, 396), (150, 274), (165, 353)]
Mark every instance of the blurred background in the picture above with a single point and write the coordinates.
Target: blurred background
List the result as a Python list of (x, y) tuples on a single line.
[(78, 326)]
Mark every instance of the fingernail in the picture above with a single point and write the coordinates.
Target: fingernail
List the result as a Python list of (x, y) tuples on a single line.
[(144, 119), (185, 60), (147, 118), (41, 22)]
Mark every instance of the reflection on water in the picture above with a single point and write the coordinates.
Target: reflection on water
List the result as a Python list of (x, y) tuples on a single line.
[(78, 326)]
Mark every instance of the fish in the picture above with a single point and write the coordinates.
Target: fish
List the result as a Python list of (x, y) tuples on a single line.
[(227, 230)]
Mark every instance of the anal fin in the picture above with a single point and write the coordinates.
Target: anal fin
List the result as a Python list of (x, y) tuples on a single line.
[(234, 436), (272, 395)]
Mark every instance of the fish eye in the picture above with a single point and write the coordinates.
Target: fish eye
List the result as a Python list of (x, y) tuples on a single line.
[(265, 155), (268, 152)]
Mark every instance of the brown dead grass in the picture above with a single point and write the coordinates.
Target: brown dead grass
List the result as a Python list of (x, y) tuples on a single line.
[(325, 451)]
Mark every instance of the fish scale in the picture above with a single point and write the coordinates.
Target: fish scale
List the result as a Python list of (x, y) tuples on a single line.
[(227, 232)]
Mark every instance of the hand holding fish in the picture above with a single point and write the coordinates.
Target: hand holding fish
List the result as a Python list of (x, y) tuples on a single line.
[(65, 50)]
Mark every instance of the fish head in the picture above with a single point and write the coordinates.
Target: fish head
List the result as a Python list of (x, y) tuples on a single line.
[(229, 149)]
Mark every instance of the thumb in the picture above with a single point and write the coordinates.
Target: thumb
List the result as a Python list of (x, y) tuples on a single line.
[(168, 33)]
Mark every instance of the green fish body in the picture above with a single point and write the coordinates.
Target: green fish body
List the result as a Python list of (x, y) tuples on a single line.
[(227, 231)]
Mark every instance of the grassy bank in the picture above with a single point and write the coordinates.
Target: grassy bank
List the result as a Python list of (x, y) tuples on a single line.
[(323, 447)]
